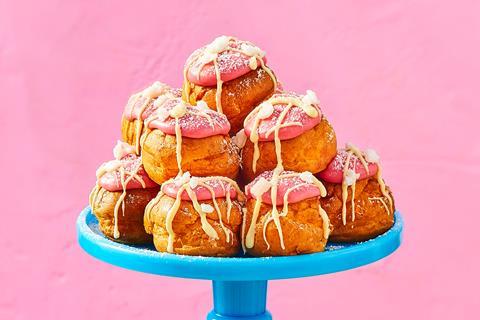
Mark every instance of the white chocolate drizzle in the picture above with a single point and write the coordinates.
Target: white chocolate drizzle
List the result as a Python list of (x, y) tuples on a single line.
[(179, 110), (178, 141), (211, 54), (380, 199), (156, 92), (244, 222), (383, 188), (183, 182), (263, 111), (261, 187), (124, 170), (350, 178)]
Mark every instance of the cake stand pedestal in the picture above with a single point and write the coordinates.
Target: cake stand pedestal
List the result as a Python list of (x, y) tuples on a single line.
[(240, 283)]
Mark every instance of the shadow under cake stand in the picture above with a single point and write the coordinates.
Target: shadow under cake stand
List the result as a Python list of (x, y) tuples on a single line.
[(239, 284)]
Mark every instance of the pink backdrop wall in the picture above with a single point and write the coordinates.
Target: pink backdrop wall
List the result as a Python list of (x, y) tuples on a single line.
[(401, 76)]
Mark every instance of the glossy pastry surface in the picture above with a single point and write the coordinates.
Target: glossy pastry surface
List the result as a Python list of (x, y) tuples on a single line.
[(120, 196), (359, 204), (196, 216), (284, 216), (139, 107), (292, 124), (372, 217), (231, 76), (184, 138)]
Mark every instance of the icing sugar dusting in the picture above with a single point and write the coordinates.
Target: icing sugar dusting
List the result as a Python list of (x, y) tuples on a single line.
[(217, 184), (141, 101), (194, 123), (228, 60), (231, 63), (110, 179), (336, 169), (289, 181), (302, 185), (339, 162), (295, 122), (136, 109)]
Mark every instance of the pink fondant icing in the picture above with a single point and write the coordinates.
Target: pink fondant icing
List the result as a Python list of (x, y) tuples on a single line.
[(231, 65), (177, 93), (193, 124), (111, 181), (295, 114), (298, 194), (133, 109), (219, 187), (334, 171)]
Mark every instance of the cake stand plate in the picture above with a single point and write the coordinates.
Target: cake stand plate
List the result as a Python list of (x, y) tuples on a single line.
[(240, 283)]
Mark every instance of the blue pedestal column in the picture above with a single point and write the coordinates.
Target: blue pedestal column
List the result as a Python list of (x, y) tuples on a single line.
[(239, 300)]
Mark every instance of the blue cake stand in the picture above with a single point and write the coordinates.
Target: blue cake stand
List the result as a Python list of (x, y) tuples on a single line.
[(239, 284)]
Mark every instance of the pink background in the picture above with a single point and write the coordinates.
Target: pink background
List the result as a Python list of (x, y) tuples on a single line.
[(401, 76)]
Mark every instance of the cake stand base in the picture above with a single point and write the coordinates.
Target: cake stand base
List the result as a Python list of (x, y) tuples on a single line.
[(235, 300), (264, 316)]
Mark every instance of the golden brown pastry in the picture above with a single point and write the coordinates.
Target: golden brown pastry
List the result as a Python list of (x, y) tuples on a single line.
[(290, 128), (120, 196), (370, 212), (139, 107), (183, 138), (231, 76), (284, 215), (198, 216)]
